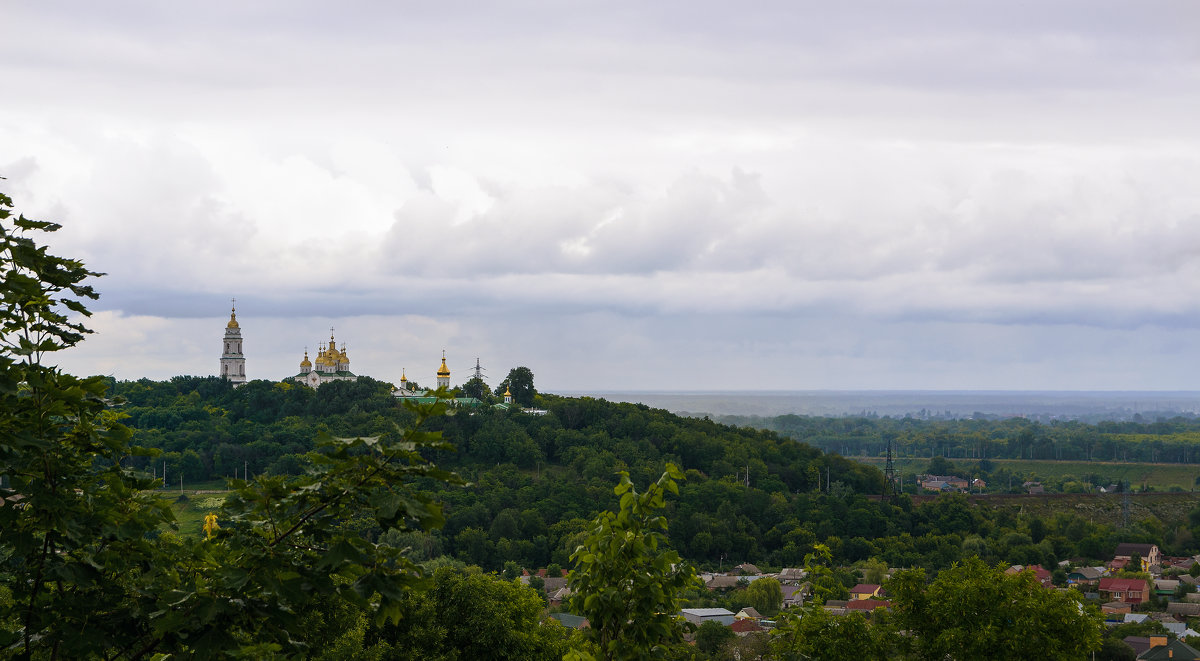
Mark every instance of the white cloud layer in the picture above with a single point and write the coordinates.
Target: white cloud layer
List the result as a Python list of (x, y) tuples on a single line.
[(935, 195)]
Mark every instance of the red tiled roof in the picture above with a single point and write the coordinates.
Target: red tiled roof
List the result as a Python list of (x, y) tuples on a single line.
[(743, 626), (867, 604), (1038, 571), (1122, 584)]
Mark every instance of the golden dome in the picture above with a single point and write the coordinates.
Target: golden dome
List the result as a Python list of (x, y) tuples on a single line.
[(443, 370), (305, 362), (344, 358), (507, 392), (232, 319), (403, 379)]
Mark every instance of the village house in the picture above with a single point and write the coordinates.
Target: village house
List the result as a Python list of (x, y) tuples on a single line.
[(1114, 608), (944, 483), (1125, 590), (723, 582), (864, 591), (867, 605), (791, 574), (570, 621), (1153, 648), (1183, 609), (1085, 575), (1149, 554), (834, 606), (1165, 587), (794, 595), (745, 626), (1043, 575), (698, 616)]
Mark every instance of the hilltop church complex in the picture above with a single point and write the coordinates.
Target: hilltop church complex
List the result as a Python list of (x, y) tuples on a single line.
[(330, 364)]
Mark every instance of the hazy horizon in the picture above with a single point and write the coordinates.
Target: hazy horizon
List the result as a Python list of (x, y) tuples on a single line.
[(1041, 405)]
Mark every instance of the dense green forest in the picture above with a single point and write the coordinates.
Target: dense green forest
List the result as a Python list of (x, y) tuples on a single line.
[(536, 480)]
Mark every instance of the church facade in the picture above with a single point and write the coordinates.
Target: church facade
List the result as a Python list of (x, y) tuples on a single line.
[(233, 361), (331, 364)]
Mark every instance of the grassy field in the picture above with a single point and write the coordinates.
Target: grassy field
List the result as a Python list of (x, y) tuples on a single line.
[(190, 512), (1160, 476)]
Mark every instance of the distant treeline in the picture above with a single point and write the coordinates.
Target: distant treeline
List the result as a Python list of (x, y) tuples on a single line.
[(537, 480), (1174, 440)]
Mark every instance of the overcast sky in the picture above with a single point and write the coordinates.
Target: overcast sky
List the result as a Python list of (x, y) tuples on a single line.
[(625, 195)]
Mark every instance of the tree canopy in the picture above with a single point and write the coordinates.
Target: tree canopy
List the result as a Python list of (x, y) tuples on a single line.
[(976, 611)]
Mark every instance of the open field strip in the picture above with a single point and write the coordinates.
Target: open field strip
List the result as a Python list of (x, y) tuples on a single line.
[(1160, 476)]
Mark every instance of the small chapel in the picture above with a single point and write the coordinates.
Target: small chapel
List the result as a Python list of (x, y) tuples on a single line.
[(331, 364)]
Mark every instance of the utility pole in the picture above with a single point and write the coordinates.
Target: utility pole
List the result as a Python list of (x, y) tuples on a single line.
[(889, 473), (1125, 506)]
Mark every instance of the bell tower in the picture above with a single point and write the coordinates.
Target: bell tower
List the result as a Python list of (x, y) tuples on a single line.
[(443, 373), (233, 363)]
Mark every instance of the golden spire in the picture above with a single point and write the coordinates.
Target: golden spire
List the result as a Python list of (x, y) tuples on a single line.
[(403, 379), (443, 370)]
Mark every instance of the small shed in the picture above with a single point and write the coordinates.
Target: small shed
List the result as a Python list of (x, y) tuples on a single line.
[(699, 616)]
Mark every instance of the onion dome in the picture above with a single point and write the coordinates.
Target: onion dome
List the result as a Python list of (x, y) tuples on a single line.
[(305, 363), (403, 379), (507, 392), (443, 370), (232, 319)]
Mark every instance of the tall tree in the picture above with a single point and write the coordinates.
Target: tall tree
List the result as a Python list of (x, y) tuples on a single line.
[(520, 382), (765, 595), (468, 614), (814, 633), (625, 580), (475, 387), (975, 611)]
